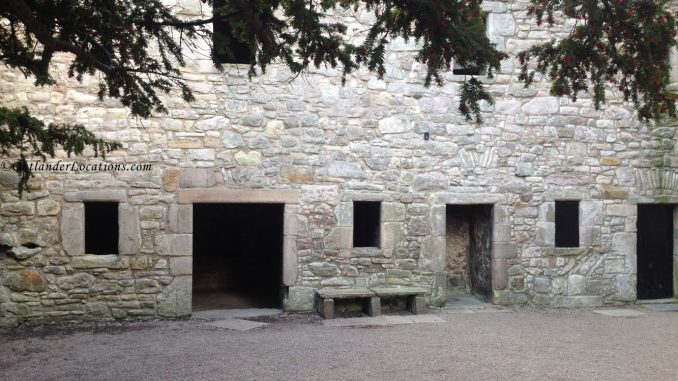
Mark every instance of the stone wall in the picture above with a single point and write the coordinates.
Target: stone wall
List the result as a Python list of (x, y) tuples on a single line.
[(316, 146)]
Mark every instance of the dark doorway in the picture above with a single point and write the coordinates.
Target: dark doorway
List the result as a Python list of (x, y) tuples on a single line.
[(655, 251), (469, 250), (237, 255)]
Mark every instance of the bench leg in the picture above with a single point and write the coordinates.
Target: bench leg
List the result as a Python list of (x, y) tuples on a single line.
[(417, 304), (374, 308), (327, 308)]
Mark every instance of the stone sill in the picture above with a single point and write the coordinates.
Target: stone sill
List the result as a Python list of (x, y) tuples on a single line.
[(94, 261), (567, 251), (366, 251)]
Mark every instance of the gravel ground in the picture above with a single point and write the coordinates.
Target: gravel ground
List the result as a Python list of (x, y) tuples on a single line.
[(521, 345)]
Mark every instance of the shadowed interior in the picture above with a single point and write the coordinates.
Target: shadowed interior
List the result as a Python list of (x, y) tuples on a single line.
[(469, 250), (237, 255), (655, 251)]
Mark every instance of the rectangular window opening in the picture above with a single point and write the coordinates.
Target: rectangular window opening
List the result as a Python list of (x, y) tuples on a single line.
[(366, 223), (226, 47), (471, 68), (101, 228), (567, 223)]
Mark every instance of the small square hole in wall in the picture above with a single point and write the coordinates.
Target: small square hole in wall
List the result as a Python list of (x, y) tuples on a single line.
[(366, 223), (567, 223), (101, 228)]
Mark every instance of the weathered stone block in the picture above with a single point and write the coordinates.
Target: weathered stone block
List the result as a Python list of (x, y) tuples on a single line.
[(339, 238), (97, 195), (251, 158), (180, 218), (395, 125), (95, 261), (621, 210), (129, 240), (174, 244), (181, 266), (21, 253), (576, 284), (26, 280), (299, 299), (80, 280), (48, 207), (323, 269), (430, 182), (171, 179), (215, 123), (438, 219), (546, 233), (499, 273), (290, 260), (391, 234), (175, 299), (433, 254), (198, 178), (319, 193), (591, 213), (542, 284), (19, 208), (344, 214), (73, 228), (541, 106), (504, 250), (392, 212), (501, 24), (345, 169)]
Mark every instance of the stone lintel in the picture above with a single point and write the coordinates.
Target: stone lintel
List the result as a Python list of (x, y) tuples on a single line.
[(566, 194), (469, 198), (354, 196), (194, 196), (662, 199), (96, 195)]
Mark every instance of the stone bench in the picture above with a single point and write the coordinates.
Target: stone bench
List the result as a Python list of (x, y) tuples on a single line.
[(326, 297), (416, 303)]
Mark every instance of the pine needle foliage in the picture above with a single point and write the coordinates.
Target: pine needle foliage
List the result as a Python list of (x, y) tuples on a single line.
[(624, 43), (138, 47)]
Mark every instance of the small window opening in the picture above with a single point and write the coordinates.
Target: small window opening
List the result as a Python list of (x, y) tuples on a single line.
[(226, 47), (101, 227), (471, 68), (567, 223), (366, 223)]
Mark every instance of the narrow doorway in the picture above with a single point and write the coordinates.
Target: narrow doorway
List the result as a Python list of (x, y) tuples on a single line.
[(237, 256), (469, 251), (655, 251)]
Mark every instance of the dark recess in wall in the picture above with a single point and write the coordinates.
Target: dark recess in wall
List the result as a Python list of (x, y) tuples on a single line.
[(237, 249)]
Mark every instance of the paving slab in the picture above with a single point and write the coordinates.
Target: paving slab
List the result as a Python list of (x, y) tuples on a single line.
[(236, 324), (662, 307), (619, 312), (383, 320), (466, 301), (235, 313)]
